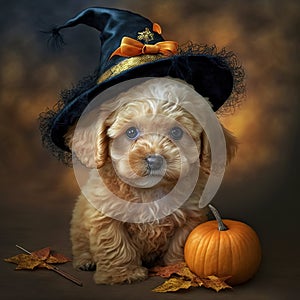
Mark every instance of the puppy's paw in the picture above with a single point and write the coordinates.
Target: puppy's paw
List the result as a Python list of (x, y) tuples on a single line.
[(84, 262), (127, 275), (136, 274), (89, 266)]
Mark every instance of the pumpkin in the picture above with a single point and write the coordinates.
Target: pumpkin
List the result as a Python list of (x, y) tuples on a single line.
[(223, 248)]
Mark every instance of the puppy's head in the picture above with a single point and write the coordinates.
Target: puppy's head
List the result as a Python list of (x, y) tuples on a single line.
[(147, 134), (152, 140)]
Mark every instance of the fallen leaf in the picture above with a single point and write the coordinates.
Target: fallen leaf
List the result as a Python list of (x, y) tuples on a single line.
[(187, 273), (180, 269), (173, 284), (185, 279), (41, 258), (41, 254), (24, 261), (167, 271), (57, 258), (216, 283)]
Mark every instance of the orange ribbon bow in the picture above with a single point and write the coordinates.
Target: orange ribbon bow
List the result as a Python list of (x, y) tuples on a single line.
[(130, 47)]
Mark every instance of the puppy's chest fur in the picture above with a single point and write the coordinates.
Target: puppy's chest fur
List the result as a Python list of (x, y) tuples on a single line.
[(152, 238)]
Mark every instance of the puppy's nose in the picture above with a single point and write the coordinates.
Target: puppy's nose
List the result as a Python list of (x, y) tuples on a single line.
[(155, 161)]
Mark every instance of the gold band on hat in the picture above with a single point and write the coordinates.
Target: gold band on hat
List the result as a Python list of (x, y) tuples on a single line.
[(127, 64)]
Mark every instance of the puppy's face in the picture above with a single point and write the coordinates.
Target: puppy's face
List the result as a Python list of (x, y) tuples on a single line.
[(149, 134), (151, 141)]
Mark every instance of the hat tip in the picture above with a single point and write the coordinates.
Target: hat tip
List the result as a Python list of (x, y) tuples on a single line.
[(55, 39)]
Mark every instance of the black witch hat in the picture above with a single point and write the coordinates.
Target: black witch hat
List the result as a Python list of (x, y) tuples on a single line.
[(133, 47)]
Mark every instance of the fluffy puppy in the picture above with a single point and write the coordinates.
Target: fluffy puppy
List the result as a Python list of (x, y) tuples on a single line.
[(140, 145)]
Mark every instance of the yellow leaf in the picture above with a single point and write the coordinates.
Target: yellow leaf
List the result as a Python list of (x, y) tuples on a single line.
[(24, 261), (40, 258), (216, 283), (57, 258), (186, 279), (173, 284), (186, 272)]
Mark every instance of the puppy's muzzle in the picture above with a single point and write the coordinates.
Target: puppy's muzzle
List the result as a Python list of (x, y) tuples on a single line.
[(154, 162)]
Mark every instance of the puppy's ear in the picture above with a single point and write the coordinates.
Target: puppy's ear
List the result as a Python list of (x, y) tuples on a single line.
[(89, 143), (205, 153), (231, 144), (205, 157)]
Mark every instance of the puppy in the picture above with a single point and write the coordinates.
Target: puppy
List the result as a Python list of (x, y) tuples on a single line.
[(140, 145)]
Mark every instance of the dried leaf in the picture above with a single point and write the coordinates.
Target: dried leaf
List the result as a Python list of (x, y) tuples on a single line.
[(41, 258), (216, 283), (167, 271), (42, 254), (173, 285), (186, 273), (180, 269), (15, 259), (57, 258), (24, 261), (44, 265), (198, 281), (186, 279)]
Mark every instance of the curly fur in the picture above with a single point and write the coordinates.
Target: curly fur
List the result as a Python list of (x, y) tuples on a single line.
[(122, 251)]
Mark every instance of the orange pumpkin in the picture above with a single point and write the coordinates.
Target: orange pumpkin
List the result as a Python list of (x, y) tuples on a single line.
[(223, 248)]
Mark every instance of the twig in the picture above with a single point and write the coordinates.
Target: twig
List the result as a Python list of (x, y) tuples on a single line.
[(21, 248), (56, 269)]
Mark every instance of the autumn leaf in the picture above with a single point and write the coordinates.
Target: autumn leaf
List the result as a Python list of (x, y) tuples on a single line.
[(187, 273), (57, 258), (24, 261), (173, 284), (185, 279), (216, 283), (180, 269), (41, 254), (41, 258), (167, 271)]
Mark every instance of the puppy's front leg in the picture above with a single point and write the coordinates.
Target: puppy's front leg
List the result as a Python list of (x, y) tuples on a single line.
[(175, 250), (116, 258), (80, 224), (174, 253)]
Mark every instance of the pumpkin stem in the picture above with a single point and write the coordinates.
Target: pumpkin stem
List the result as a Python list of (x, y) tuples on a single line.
[(221, 225)]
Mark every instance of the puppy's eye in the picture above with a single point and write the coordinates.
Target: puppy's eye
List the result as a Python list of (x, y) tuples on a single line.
[(132, 133), (176, 133)]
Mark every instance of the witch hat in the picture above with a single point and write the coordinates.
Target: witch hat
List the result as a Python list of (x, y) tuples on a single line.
[(131, 46)]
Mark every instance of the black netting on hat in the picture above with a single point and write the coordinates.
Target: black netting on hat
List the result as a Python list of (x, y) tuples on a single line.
[(231, 61), (47, 118)]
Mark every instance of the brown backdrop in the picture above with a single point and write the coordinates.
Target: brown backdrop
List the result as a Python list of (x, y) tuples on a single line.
[(260, 186)]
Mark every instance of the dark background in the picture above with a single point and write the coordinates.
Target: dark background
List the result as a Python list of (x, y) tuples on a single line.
[(261, 186)]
